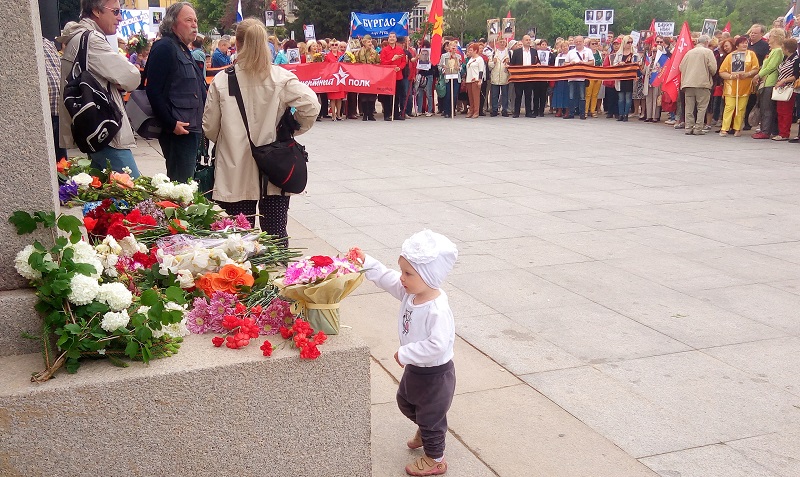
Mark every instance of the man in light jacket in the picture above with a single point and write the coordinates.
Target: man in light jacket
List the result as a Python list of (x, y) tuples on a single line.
[(110, 69), (697, 78)]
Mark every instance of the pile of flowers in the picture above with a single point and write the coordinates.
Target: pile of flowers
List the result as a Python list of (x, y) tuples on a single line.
[(150, 261)]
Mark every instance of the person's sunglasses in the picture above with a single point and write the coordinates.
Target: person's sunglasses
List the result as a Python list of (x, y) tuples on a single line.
[(114, 11)]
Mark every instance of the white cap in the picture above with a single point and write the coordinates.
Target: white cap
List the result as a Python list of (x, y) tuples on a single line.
[(432, 255)]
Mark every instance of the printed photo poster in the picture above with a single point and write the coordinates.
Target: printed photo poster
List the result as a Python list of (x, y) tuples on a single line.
[(593, 31), (709, 27), (424, 59), (602, 29), (451, 68), (737, 61), (544, 57), (308, 32), (635, 36), (665, 29), (269, 18), (644, 35), (156, 16), (492, 29), (293, 55), (561, 60), (280, 17), (596, 17), (509, 28), (532, 33)]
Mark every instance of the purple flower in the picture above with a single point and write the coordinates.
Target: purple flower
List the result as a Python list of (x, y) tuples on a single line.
[(243, 222), (277, 314), (220, 305), (148, 207), (67, 191), (198, 320)]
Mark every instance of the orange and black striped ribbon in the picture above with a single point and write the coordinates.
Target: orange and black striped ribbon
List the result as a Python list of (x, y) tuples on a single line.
[(558, 73)]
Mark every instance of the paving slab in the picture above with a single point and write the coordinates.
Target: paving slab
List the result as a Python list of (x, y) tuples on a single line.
[(777, 452), (709, 461)]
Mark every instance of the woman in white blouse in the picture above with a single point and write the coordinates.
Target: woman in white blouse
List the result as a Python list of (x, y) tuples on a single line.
[(475, 69)]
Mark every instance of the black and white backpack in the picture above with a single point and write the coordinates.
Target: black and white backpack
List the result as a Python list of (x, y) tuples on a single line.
[(95, 118)]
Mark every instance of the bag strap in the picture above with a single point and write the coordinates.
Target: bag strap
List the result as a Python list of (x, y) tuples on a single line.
[(234, 90)]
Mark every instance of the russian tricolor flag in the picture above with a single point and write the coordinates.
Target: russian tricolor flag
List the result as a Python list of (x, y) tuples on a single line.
[(788, 19), (239, 16)]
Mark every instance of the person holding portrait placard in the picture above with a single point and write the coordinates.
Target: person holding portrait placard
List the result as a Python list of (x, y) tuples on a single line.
[(540, 87), (560, 101), (499, 75), (768, 75)]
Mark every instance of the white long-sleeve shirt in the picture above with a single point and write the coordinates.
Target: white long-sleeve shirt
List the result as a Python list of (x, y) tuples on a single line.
[(427, 331)]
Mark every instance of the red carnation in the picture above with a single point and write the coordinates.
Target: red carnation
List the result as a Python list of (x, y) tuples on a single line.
[(217, 341), (267, 348), (321, 260), (309, 352), (118, 231)]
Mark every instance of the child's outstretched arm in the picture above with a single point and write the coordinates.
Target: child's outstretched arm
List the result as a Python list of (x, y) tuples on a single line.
[(389, 280)]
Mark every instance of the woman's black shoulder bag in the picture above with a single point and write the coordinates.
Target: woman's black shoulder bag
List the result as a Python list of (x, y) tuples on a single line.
[(282, 162)]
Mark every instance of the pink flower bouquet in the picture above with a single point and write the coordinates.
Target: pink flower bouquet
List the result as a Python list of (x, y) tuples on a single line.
[(317, 285)]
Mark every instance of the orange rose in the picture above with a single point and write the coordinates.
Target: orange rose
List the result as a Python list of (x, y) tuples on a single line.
[(96, 182), (230, 272), (124, 180), (243, 280), (62, 165), (204, 283), (220, 283)]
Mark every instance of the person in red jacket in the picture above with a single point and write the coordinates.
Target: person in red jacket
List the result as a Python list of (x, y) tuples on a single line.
[(394, 55)]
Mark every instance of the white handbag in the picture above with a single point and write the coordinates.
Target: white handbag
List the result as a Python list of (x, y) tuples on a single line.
[(783, 93)]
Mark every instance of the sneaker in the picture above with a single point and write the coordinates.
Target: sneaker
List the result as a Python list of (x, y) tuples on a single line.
[(707, 127), (416, 441), (761, 135), (779, 138), (670, 122), (426, 466), (689, 132), (700, 132), (427, 115), (680, 125)]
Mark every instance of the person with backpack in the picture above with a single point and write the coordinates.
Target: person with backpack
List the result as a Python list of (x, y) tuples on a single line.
[(113, 74)]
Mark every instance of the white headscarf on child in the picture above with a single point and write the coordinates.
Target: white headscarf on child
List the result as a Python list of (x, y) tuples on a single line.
[(432, 255)]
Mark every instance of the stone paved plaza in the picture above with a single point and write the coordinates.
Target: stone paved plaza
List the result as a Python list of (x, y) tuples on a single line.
[(627, 297)]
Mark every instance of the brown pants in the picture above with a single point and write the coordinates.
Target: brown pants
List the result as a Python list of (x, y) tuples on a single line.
[(474, 94)]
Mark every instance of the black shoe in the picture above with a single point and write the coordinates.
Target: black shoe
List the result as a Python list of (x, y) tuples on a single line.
[(515, 116), (505, 115), (528, 115), (625, 118), (364, 118), (319, 118), (387, 118), (483, 114), (571, 116), (609, 116), (583, 116), (371, 118), (747, 128), (494, 115), (399, 118), (794, 140), (621, 118), (642, 119), (446, 115)]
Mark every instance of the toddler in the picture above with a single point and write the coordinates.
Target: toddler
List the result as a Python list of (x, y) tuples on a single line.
[(427, 333)]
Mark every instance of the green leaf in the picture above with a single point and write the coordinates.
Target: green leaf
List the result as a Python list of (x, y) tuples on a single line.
[(48, 219), (62, 242), (23, 221), (175, 294), (116, 361), (132, 349), (72, 365), (86, 269), (146, 355), (74, 353), (71, 225), (149, 298), (143, 333), (96, 307), (60, 286), (73, 328)]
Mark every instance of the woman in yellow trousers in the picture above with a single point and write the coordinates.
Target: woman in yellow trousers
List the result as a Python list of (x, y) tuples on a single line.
[(593, 86), (738, 70)]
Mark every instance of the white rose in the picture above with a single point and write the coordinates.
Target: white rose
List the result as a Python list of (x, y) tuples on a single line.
[(82, 180), (185, 279), (130, 246), (114, 320)]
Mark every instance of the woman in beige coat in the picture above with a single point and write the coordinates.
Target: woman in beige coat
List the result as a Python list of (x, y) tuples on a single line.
[(266, 92)]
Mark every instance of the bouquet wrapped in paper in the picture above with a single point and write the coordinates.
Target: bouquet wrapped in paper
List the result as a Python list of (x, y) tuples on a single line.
[(317, 285)]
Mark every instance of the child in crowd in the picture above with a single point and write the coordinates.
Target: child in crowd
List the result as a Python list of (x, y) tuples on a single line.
[(427, 334)]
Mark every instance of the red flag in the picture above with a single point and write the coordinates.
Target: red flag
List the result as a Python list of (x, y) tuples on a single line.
[(670, 77), (436, 16), (727, 28), (509, 14), (650, 39)]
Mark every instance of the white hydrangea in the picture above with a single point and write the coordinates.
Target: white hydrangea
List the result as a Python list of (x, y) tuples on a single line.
[(179, 192), (159, 179), (22, 265), (116, 295), (82, 180), (185, 279), (83, 289), (175, 330), (114, 320), (85, 253)]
